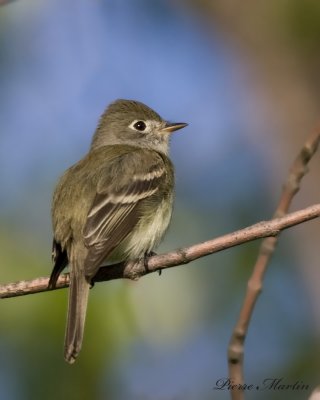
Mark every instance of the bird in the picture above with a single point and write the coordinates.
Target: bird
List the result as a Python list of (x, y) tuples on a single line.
[(114, 205)]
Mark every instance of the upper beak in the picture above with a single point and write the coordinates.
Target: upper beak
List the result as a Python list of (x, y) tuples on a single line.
[(173, 126)]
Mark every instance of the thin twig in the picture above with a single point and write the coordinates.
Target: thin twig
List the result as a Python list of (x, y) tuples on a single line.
[(136, 269), (291, 187)]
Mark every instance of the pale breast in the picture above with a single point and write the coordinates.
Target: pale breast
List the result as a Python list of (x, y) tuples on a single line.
[(147, 234)]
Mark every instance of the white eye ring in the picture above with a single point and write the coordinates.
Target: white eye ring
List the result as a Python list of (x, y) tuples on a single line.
[(141, 125)]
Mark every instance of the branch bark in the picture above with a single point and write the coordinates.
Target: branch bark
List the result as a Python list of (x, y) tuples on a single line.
[(136, 269), (290, 188)]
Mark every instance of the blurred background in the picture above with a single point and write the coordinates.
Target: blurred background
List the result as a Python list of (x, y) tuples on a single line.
[(245, 76)]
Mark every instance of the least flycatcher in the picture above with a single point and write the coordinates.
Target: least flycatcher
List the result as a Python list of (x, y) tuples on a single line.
[(113, 205)]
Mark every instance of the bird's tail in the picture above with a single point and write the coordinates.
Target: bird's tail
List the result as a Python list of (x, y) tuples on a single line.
[(77, 307)]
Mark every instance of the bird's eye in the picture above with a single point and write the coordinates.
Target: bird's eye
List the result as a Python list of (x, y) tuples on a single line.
[(140, 126)]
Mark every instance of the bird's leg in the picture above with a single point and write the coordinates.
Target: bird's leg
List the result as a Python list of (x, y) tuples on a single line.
[(146, 259), (90, 280)]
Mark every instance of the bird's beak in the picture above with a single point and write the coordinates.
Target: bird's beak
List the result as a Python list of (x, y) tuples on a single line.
[(173, 126)]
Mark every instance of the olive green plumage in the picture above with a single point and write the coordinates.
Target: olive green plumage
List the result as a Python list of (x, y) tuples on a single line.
[(113, 205)]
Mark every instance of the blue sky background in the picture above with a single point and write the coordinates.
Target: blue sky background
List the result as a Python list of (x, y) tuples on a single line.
[(162, 338)]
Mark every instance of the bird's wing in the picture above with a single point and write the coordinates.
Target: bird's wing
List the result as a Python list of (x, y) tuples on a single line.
[(115, 210)]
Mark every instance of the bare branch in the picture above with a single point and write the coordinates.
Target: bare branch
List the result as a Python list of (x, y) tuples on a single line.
[(136, 269), (315, 395), (291, 187)]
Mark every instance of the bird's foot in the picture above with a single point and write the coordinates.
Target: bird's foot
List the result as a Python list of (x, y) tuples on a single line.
[(146, 259), (90, 281)]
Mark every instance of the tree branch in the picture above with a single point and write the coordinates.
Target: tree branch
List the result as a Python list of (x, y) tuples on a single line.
[(136, 269), (290, 188)]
